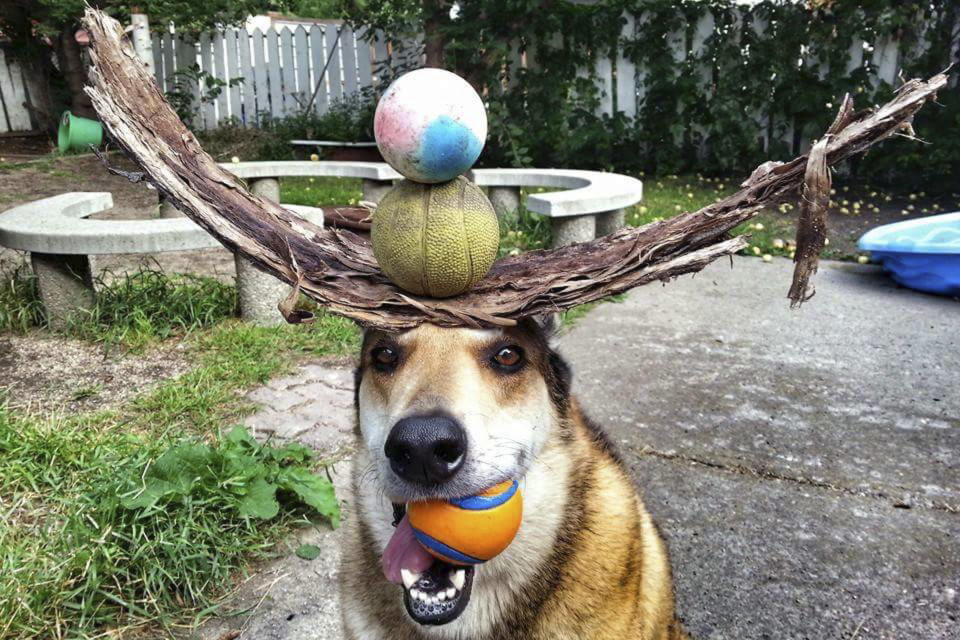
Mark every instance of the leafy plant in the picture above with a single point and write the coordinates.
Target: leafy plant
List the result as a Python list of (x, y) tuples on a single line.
[(251, 479), (192, 88), (108, 527)]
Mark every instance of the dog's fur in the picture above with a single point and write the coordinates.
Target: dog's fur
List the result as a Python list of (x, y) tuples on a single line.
[(588, 561)]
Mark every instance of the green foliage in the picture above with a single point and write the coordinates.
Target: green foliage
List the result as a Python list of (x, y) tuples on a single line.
[(108, 527), (126, 516), (347, 119), (182, 97), (149, 305), (707, 105), (249, 478), (20, 306), (235, 355)]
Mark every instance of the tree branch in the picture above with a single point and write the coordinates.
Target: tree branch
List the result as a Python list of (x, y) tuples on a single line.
[(337, 268)]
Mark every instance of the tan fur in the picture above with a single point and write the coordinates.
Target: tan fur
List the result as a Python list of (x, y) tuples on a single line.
[(587, 562)]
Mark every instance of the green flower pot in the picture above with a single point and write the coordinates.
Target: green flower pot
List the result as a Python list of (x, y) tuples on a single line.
[(78, 133)]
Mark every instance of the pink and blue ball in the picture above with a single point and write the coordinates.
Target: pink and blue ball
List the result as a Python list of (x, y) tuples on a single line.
[(430, 125)]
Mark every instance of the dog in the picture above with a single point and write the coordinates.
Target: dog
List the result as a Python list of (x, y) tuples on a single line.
[(448, 412)]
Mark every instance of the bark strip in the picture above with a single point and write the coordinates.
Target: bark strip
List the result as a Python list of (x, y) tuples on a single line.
[(812, 227), (337, 268)]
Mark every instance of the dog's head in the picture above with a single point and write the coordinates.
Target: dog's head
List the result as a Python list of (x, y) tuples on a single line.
[(448, 413)]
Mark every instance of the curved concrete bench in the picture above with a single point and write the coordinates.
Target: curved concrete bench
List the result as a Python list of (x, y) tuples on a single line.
[(591, 203), (60, 240)]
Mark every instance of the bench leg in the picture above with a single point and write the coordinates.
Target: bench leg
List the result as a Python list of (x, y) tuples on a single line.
[(373, 190), (505, 201), (610, 221), (572, 229), (167, 210), (260, 292), (66, 285)]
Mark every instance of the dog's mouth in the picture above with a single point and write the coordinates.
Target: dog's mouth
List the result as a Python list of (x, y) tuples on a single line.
[(434, 592)]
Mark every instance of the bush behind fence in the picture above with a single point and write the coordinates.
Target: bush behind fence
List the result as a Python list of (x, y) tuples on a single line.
[(712, 86), (633, 85)]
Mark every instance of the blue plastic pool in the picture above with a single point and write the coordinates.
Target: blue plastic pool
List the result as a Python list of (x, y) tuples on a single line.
[(922, 254)]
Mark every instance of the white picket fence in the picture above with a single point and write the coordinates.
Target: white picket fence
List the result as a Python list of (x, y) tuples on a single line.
[(281, 70), (14, 95)]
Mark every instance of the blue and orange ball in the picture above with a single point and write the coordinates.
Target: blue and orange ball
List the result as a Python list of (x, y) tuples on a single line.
[(469, 531)]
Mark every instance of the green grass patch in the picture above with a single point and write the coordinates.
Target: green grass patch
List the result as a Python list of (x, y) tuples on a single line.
[(144, 513), (235, 355), (102, 527), (20, 306), (145, 306), (320, 192)]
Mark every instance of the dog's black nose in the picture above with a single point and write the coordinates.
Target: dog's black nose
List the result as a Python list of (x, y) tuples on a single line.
[(426, 449)]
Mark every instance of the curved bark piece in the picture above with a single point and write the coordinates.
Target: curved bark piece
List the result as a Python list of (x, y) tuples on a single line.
[(337, 268)]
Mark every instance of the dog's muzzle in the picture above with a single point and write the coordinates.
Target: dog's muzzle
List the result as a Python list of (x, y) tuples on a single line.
[(434, 592)]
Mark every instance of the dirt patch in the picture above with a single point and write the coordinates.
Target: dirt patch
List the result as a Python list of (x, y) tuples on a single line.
[(16, 148), (47, 373)]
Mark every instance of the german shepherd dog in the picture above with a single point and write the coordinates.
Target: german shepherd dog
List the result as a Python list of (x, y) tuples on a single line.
[(446, 413)]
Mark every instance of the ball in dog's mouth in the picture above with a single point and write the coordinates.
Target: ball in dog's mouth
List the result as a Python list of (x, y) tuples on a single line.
[(434, 592)]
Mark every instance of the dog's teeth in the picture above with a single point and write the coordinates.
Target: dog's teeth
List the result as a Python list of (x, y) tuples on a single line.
[(441, 596), (458, 578), (434, 600), (409, 577), (414, 594), (424, 597), (449, 593)]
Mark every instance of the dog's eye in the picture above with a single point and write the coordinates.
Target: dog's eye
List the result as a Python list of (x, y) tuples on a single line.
[(384, 358), (509, 358)]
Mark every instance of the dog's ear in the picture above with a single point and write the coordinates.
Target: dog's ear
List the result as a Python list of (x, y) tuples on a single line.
[(547, 324)]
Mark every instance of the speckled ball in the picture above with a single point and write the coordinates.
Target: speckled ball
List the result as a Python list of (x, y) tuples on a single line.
[(430, 125)]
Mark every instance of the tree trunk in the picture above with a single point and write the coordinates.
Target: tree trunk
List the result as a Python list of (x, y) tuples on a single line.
[(436, 12), (71, 66)]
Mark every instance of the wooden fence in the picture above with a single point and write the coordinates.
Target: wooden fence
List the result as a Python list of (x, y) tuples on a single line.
[(15, 90), (276, 72)]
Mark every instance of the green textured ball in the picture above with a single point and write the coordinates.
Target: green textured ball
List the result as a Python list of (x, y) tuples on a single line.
[(435, 239)]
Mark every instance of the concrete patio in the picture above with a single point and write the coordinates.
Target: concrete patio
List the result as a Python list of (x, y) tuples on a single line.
[(804, 465)]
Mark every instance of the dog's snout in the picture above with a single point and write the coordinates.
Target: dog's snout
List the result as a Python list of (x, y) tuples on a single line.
[(426, 449)]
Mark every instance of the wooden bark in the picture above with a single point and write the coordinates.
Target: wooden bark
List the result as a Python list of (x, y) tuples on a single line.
[(337, 268)]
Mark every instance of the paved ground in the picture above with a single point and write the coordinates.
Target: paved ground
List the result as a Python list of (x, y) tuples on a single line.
[(804, 465)]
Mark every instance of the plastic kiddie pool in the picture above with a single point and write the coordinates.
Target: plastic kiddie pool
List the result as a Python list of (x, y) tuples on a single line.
[(922, 254)]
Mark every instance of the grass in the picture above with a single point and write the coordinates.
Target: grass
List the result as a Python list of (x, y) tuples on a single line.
[(320, 192), (80, 552), (20, 307), (148, 305), (48, 164)]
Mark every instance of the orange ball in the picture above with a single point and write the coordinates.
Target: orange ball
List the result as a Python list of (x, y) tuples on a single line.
[(468, 531)]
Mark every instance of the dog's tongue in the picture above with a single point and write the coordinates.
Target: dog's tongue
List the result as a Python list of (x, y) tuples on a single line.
[(404, 552)]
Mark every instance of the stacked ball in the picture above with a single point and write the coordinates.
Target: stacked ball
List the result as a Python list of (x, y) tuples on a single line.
[(435, 233)]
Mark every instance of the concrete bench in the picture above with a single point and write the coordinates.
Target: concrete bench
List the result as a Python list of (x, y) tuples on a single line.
[(60, 239), (591, 203)]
